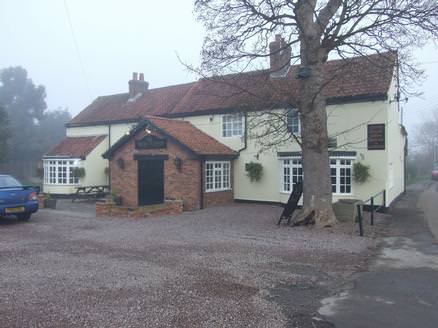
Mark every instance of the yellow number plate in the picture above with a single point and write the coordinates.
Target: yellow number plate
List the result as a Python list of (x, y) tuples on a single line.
[(14, 210)]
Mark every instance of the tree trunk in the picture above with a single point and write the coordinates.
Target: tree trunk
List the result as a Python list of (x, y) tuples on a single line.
[(317, 189)]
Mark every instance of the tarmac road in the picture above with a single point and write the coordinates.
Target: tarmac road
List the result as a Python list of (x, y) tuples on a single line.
[(401, 288)]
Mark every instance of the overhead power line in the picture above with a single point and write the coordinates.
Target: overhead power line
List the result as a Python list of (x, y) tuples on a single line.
[(78, 54)]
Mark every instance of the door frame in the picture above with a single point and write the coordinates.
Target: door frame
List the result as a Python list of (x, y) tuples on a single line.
[(146, 158)]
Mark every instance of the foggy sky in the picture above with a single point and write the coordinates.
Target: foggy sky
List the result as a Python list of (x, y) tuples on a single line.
[(116, 38)]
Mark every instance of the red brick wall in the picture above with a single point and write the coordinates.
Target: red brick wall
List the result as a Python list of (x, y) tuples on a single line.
[(218, 198), (182, 185), (111, 210)]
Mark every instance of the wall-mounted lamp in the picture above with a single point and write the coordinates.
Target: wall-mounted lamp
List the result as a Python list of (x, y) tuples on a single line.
[(211, 118), (178, 163), (120, 163)]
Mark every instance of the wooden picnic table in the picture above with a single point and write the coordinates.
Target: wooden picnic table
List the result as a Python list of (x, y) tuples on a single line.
[(90, 191)]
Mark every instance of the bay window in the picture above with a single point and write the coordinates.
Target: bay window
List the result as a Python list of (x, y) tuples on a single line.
[(60, 171), (217, 176)]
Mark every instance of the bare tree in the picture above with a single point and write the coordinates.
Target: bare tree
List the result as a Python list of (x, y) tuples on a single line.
[(425, 145), (238, 35)]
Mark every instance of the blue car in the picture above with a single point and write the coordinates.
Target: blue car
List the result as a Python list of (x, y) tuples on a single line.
[(16, 199)]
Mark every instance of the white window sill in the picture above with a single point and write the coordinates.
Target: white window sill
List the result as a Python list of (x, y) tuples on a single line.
[(218, 190), (61, 184)]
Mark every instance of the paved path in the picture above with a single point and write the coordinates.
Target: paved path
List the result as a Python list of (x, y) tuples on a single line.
[(401, 288), (428, 203)]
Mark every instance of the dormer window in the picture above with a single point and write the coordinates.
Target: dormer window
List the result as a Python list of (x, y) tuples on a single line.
[(232, 125), (293, 121)]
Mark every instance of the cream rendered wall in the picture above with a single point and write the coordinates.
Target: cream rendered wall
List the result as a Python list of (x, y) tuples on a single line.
[(95, 166), (396, 148), (59, 189), (117, 131), (349, 123)]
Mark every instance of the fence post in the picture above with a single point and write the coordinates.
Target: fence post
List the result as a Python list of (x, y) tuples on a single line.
[(384, 199), (372, 210), (359, 217)]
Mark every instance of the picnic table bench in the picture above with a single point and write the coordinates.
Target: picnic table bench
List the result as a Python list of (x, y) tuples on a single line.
[(88, 192)]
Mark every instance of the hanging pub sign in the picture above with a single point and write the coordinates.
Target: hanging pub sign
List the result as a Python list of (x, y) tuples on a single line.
[(150, 142), (376, 136)]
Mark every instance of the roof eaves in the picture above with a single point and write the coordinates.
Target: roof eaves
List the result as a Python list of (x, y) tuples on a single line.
[(103, 122), (357, 98)]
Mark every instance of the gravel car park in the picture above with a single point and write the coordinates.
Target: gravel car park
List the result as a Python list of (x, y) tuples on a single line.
[(229, 266)]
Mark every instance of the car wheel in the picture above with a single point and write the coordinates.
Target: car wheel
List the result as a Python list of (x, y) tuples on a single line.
[(24, 217)]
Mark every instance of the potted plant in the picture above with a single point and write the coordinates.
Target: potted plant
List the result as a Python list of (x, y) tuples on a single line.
[(49, 201), (254, 171)]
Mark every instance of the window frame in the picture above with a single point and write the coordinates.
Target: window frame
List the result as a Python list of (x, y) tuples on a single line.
[(231, 125), (58, 170), (289, 125), (291, 166), (224, 176), (338, 166)]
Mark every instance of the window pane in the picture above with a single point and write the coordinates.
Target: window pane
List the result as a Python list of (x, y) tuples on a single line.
[(293, 121), (232, 125), (217, 176)]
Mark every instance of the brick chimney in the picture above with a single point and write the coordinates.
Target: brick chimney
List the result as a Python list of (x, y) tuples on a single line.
[(137, 85), (280, 53)]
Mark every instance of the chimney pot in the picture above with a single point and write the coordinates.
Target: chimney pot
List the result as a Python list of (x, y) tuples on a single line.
[(137, 86), (280, 54)]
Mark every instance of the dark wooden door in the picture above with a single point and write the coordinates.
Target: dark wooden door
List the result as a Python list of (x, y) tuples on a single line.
[(150, 182)]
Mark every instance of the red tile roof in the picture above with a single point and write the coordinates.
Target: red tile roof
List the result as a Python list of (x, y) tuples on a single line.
[(187, 134), (355, 78), (182, 132), (75, 147)]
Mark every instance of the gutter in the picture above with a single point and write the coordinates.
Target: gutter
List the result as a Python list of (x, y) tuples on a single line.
[(109, 160), (201, 196), (245, 134)]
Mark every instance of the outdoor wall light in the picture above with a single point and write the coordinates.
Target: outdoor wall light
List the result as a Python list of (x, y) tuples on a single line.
[(178, 163), (120, 163)]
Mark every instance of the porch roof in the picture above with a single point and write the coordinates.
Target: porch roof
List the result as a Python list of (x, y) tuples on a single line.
[(182, 133)]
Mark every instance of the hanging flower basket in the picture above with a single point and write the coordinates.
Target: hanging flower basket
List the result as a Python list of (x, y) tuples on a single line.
[(254, 171), (361, 172)]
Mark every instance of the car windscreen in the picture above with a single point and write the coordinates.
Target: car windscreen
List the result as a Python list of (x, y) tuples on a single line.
[(7, 181)]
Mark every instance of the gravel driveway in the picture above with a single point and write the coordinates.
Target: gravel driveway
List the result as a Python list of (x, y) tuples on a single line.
[(228, 266)]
